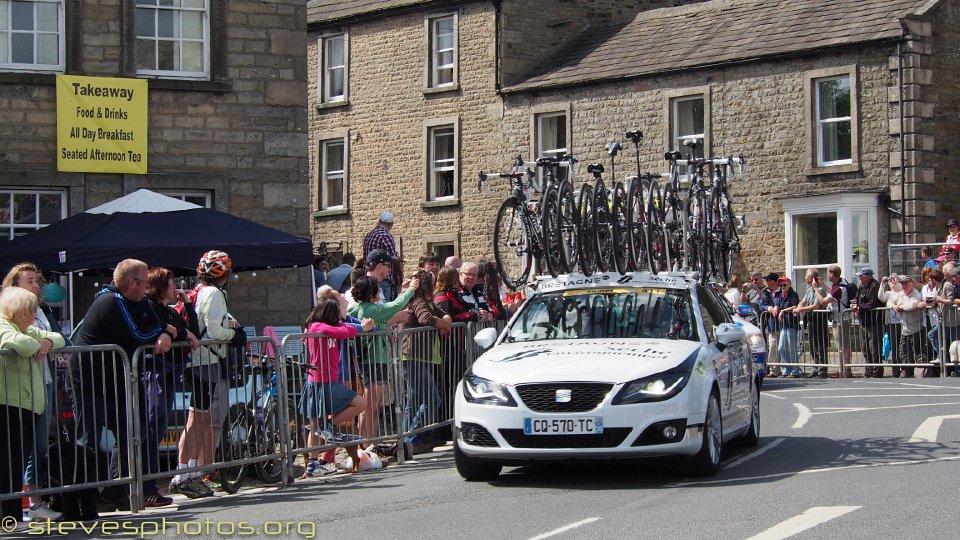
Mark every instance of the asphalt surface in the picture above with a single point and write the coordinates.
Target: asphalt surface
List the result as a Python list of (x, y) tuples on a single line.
[(837, 459)]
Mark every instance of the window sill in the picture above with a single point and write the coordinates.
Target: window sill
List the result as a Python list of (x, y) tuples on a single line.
[(333, 104), (331, 212), (832, 169), (455, 87), (21, 77), (220, 87), (442, 203)]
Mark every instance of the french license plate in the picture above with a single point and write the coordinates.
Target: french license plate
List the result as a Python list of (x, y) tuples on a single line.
[(563, 426)]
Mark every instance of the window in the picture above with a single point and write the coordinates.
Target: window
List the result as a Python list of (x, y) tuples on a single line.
[(173, 38), (442, 250), (24, 211), (199, 198), (830, 229), (333, 174), (443, 162), (550, 136), (833, 131), (31, 35), (333, 51), (688, 123), (831, 121), (442, 61)]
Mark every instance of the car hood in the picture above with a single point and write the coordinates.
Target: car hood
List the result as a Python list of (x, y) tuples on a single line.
[(582, 360)]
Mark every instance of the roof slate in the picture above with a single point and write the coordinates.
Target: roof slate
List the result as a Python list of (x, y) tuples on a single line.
[(320, 11), (716, 32)]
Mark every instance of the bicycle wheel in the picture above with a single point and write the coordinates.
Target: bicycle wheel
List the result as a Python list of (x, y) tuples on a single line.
[(729, 229), (620, 227), (719, 253), (637, 228), (235, 439), (549, 227), (697, 236), (658, 252), (568, 221), (511, 244), (673, 226), (588, 240), (268, 442), (602, 228)]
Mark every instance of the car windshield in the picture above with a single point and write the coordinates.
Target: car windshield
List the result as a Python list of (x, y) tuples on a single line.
[(600, 313)]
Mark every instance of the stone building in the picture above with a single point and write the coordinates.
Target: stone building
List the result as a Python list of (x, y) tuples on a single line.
[(227, 122), (843, 109)]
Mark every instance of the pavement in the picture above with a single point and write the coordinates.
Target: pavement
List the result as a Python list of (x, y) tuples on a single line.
[(858, 458)]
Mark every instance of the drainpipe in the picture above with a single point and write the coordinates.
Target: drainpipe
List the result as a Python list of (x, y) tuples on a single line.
[(903, 165), (496, 45)]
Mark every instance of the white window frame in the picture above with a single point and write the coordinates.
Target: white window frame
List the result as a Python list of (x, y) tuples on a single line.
[(539, 149), (433, 52), (449, 164), (844, 205), (327, 175), (821, 123), (326, 67), (20, 229), (183, 195), (176, 74), (6, 34), (677, 138)]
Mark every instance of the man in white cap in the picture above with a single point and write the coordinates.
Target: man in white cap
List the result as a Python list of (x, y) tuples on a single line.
[(379, 238)]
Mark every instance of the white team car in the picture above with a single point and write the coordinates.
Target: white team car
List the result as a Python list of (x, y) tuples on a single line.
[(608, 366)]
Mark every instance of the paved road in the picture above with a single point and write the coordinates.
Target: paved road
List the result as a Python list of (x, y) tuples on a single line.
[(837, 459)]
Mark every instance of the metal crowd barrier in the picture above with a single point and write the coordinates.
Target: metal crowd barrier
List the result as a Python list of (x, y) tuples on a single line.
[(100, 440), (878, 343)]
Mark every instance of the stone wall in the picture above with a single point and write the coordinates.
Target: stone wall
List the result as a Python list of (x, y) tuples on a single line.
[(242, 135)]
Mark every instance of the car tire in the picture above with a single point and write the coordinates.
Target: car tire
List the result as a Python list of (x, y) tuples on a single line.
[(752, 436), (474, 469), (707, 461)]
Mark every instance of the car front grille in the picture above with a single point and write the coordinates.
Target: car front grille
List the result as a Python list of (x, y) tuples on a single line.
[(610, 438), (583, 396)]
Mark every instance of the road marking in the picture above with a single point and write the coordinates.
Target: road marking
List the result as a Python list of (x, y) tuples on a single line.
[(918, 385), (807, 520), (760, 451), (927, 432), (803, 416), (828, 389), (835, 410), (565, 528), (768, 394), (883, 396), (811, 471)]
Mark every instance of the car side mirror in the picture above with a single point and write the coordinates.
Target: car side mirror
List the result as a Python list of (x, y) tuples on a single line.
[(485, 338), (728, 333)]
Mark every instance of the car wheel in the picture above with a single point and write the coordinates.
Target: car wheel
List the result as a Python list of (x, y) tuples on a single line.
[(752, 436), (474, 469), (707, 461)]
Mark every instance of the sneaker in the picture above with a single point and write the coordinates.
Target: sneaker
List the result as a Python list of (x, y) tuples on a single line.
[(189, 489), (120, 504), (312, 467), (156, 500), (41, 512), (326, 468), (209, 482)]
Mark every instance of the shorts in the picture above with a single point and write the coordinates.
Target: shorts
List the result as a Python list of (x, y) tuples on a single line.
[(375, 373), (320, 399), (203, 384)]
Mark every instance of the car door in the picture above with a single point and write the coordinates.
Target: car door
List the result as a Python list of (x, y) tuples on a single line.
[(736, 363)]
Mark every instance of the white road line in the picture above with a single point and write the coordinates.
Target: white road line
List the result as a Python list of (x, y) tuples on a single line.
[(803, 416), (883, 396), (811, 471), (760, 451), (927, 432), (768, 394), (565, 528), (835, 410), (918, 385), (807, 520), (828, 389)]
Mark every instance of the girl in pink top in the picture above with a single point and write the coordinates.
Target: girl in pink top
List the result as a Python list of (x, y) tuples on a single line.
[(322, 396)]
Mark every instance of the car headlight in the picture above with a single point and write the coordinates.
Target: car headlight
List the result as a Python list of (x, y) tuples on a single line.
[(659, 387), (484, 391), (757, 344)]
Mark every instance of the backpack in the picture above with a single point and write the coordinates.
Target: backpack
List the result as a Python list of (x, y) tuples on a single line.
[(848, 291)]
